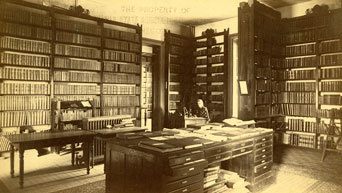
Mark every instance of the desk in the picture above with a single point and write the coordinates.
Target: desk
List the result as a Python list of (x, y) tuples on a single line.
[(106, 134), (47, 139)]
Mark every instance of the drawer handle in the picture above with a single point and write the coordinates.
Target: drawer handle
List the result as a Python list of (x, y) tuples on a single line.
[(263, 145), (185, 190), (190, 169), (263, 150), (263, 139), (243, 150), (218, 157), (184, 182), (263, 161), (243, 144), (264, 156), (265, 167), (188, 159)]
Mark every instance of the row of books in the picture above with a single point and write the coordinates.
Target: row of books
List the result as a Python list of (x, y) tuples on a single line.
[(218, 97), (181, 51), (25, 44), (95, 99), (294, 86), (263, 72), (309, 22), (262, 85), (76, 89), (121, 56), (263, 98), (299, 62), (72, 115), (209, 51), (262, 111), (335, 59), (215, 59), (75, 38), (122, 35), (24, 73), (25, 31), (199, 79), (178, 41), (331, 86), (70, 50), (209, 42), (298, 110), (120, 67), (121, 101), (330, 73), (300, 50), (299, 37), (173, 104), (78, 26), (24, 88), (14, 102), (79, 64), (175, 87), (21, 59), (133, 111), (121, 78), (329, 113), (300, 140), (22, 118), (302, 125), (330, 46), (174, 97), (201, 61), (216, 88), (330, 99), (216, 78), (122, 45), (296, 75), (178, 60), (296, 97), (174, 68), (200, 70), (18, 14), (176, 78), (211, 175), (120, 89), (77, 76)]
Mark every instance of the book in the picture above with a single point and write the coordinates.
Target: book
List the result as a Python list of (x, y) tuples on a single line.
[(158, 146)]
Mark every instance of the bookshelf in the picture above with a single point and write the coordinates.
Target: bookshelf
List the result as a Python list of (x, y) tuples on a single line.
[(147, 83), (48, 53), (211, 72), (178, 74)]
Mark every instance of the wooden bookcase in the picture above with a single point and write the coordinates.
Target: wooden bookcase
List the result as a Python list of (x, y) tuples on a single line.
[(51, 53), (211, 72)]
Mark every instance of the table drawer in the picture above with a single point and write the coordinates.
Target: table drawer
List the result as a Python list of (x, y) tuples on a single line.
[(241, 144), (185, 158), (183, 182), (264, 138), (264, 150), (262, 161), (189, 168), (217, 150), (264, 144), (263, 156), (259, 170), (242, 151), (190, 188), (219, 157)]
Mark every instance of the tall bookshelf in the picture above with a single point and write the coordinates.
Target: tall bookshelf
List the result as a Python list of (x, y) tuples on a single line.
[(211, 72), (48, 53), (178, 74)]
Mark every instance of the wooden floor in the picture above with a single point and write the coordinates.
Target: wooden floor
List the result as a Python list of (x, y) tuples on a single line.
[(297, 170)]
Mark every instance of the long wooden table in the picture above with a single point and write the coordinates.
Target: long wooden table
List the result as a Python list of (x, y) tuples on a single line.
[(46, 139)]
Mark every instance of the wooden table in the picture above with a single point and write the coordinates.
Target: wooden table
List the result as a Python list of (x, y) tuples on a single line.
[(107, 134), (46, 139)]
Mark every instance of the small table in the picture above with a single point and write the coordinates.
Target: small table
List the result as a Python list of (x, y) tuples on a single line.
[(107, 134), (47, 139)]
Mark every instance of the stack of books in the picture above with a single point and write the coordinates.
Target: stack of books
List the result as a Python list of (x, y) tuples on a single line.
[(233, 181)]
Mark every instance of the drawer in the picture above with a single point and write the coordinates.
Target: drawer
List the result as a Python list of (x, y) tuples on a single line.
[(259, 170), (190, 188), (183, 182), (185, 158), (219, 157), (264, 144), (264, 138), (187, 169), (264, 150), (217, 150), (242, 151), (263, 156), (241, 144), (262, 161), (263, 177)]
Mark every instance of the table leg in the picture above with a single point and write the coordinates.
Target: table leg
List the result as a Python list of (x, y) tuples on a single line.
[(104, 156), (72, 154), (21, 168), (12, 160), (86, 155)]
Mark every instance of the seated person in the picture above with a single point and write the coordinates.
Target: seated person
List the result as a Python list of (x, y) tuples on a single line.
[(201, 110)]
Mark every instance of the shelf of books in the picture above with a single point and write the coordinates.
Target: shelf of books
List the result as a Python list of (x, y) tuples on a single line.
[(147, 86), (211, 72), (178, 73), (310, 76), (48, 53)]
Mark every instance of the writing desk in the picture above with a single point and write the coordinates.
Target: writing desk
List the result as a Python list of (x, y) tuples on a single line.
[(46, 139)]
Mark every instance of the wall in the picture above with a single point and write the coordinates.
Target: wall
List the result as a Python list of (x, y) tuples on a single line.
[(299, 9), (231, 23), (153, 18)]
